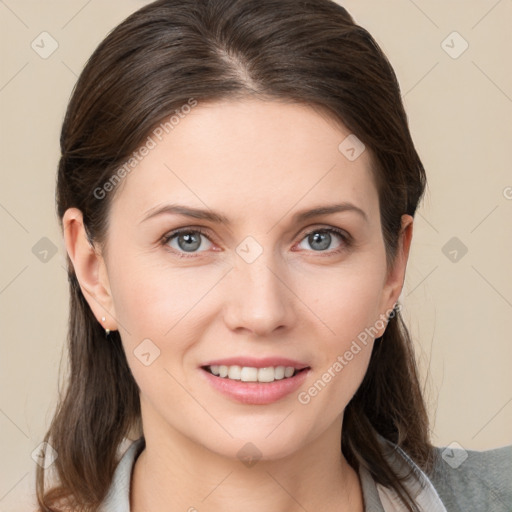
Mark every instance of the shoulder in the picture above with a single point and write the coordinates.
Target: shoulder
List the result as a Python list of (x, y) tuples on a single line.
[(470, 480)]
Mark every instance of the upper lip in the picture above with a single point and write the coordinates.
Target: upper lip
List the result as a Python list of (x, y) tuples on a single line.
[(253, 362)]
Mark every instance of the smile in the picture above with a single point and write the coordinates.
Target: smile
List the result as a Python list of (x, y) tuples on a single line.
[(252, 374), (253, 381)]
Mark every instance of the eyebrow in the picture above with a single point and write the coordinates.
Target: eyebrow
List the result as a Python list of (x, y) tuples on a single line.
[(217, 218)]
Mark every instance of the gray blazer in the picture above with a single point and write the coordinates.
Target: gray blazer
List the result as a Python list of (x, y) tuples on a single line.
[(461, 481)]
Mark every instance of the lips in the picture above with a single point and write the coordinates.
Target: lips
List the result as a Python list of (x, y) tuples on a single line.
[(255, 381)]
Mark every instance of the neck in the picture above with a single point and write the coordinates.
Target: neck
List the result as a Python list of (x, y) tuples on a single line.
[(174, 473)]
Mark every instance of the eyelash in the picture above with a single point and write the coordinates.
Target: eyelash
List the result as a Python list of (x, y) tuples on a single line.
[(346, 239)]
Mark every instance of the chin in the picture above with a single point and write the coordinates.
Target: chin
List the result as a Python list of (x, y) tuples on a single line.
[(262, 444)]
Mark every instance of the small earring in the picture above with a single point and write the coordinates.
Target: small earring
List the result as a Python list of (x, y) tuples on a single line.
[(107, 331)]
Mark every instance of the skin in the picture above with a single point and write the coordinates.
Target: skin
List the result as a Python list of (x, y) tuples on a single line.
[(257, 163)]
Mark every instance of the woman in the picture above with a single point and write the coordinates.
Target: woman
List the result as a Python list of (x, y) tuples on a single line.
[(237, 191)]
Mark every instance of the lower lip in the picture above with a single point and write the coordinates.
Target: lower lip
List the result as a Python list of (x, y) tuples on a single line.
[(256, 393)]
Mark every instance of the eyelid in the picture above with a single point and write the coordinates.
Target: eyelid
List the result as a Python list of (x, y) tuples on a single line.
[(187, 229), (324, 227)]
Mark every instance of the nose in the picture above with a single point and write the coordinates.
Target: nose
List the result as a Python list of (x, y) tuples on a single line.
[(259, 298)]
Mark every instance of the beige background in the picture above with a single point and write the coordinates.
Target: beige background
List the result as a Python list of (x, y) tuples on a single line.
[(460, 111)]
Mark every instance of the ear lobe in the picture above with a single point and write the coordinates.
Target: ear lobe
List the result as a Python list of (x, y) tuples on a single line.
[(90, 268), (396, 275)]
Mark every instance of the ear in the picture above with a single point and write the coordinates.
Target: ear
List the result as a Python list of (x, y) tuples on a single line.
[(90, 268), (396, 274)]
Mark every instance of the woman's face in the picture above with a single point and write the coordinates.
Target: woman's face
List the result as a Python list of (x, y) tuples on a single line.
[(267, 282)]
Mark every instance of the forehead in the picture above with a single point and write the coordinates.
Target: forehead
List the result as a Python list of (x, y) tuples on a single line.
[(250, 157)]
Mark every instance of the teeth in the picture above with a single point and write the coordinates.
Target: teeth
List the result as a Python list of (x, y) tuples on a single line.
[(234, 372), (288, 371), (266, 374), (279, 372), (250, 374)]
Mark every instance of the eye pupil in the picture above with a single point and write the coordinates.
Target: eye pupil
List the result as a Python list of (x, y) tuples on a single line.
[(323, 240), (189, 242)]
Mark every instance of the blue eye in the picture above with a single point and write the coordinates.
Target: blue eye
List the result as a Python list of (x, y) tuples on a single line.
[(320, 240), (187, 240)]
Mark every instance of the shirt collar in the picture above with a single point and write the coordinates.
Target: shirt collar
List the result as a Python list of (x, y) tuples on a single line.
[(377, 498)]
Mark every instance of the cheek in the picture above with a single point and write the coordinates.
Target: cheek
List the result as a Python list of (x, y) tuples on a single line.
[(347, 304), (153, 299), (162, 313), (346, 300)]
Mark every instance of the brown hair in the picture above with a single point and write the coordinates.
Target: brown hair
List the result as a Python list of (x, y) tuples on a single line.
[(310, 52)]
